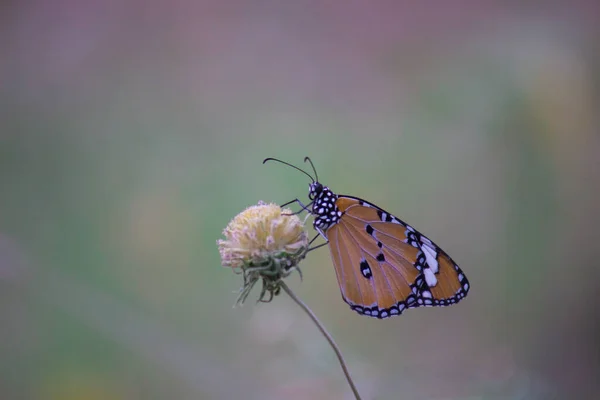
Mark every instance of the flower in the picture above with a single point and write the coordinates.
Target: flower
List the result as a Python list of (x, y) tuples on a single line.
[(264, 242)]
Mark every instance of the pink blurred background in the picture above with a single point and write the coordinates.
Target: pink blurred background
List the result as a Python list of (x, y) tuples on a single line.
[(133, 131)]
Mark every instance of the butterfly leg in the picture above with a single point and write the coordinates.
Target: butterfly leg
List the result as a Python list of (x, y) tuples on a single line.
[(304, 207), (317, 246), (321, 233), (313, 239)]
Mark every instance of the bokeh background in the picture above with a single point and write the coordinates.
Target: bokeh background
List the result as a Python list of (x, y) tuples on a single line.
[(131, 132)]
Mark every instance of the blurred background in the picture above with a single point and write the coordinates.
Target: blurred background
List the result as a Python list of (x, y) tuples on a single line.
[(132, 132)]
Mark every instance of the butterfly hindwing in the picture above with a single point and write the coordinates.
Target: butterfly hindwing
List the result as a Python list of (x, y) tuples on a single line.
[(371, 287), (355, 285)]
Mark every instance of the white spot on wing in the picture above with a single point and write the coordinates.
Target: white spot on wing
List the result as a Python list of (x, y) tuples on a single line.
[(430, 255), (430, 277)]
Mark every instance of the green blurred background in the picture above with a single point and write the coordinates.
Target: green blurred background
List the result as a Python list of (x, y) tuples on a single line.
[(131, 132)]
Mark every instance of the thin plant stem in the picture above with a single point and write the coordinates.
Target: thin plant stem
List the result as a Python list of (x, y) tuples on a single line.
[(337, 351)]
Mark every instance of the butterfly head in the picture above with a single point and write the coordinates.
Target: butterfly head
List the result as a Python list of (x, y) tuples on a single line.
[(314, 190), (324, 207)]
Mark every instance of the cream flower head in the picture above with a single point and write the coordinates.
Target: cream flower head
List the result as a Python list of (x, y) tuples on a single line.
[(264, 243)]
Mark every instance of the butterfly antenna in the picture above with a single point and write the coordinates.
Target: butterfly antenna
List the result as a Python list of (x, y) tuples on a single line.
[(290, 165), (313, 167)]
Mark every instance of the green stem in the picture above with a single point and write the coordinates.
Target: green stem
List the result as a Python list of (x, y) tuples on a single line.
[(337, 351)]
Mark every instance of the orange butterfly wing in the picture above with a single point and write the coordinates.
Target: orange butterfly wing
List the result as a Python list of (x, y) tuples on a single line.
[(385, 266)]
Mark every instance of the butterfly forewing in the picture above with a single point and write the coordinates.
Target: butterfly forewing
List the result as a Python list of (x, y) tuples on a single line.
[(451, 282), (371, 244), (384, 266), (393, 236)]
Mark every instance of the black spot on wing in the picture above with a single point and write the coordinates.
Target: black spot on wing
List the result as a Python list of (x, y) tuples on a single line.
[(365, 269)]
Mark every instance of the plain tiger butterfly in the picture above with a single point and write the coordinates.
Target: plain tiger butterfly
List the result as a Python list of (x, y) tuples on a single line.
[(383, 265)]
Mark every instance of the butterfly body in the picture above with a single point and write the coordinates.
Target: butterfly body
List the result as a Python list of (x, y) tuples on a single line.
[(324, 209), (383, 265)]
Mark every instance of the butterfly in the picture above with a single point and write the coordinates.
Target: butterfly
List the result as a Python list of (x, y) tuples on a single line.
[(383, 265)]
